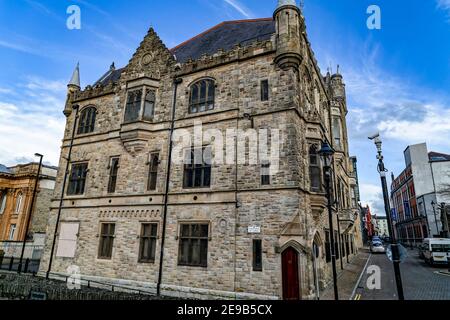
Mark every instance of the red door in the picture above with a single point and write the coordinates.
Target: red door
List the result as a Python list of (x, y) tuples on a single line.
[(291, 281)]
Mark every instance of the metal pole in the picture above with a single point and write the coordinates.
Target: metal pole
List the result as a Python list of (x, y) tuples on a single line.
[(444, 220), (340, 242), (394, 244), (177, 81), (76, 107), (30, 211), (330, 218), (435, 218)]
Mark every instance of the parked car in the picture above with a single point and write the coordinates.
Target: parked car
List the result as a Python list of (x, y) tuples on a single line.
[(436, 250), (377, 247)]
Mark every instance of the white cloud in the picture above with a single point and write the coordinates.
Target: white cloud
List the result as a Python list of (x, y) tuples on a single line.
[(443, 4), (31, 121), (373, 196), (240, 8)]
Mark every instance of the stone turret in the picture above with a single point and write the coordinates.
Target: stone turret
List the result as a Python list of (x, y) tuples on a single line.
[(289, 24), (72, 88), (338, 87)]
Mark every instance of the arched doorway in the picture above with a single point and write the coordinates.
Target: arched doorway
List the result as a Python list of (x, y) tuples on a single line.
[(291, 278)]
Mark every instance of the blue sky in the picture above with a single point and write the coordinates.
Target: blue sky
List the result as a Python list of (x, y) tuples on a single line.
[(398, 78)]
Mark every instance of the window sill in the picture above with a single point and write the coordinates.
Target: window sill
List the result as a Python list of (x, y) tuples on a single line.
[(146, 262), (84, 135), (99, 259), (192, 266)]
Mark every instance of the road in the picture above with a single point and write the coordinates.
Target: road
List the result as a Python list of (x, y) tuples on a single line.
[(420, 281)]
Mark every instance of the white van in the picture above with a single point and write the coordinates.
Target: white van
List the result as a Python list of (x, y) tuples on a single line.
[(436, 250)]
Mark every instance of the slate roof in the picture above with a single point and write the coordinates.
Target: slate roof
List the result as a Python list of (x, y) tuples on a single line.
[(225, 36), (436, 156), (110, 76), (4, 169)]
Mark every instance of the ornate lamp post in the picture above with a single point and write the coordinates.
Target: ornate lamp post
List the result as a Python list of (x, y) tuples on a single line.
[(327, 154), (387, 206)]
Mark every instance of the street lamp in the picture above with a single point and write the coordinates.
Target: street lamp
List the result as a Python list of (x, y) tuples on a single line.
[(433, 204), (394, 245), (40, 156), (327, 154)]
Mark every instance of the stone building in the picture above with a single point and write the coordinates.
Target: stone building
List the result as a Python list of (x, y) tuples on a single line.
[(16, 192), (133, 215)]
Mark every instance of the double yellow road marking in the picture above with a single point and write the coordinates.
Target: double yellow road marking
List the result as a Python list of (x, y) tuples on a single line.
[(358, 297)]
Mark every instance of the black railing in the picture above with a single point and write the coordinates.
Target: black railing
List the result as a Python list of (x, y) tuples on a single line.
[(21, 286), (12, 264)]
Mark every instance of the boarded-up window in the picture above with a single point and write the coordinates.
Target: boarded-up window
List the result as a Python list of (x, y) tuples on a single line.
[(67, 242)]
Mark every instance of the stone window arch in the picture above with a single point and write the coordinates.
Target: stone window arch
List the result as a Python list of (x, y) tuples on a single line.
[(202, 96), (87, 120)]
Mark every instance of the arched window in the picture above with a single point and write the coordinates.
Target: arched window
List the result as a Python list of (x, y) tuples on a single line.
[(315, 174), (2, 201), (87, 120), (19, 203), (149, 106), (202, 96)]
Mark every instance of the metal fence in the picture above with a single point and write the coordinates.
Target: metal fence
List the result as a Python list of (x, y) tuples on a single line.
[(29, 287), (12, 264)]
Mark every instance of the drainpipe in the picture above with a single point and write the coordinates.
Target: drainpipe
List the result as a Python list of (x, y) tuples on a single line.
[(76, 108), (176, 82)]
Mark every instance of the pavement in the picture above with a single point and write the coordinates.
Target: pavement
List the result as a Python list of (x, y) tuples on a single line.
[(348, 278)]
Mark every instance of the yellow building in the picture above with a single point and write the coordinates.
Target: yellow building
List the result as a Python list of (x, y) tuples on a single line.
[(16, 192)]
